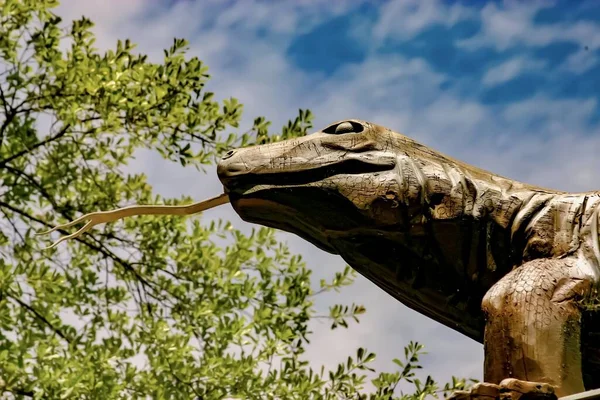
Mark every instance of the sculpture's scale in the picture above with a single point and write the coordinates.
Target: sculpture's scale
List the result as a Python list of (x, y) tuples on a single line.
[(463, 246)]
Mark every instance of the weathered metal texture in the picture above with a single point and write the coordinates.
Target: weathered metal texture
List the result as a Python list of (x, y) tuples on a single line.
[(470, 249)]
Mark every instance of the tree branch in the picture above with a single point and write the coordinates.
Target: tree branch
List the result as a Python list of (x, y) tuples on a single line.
[(18, 391), (44, 142), (34, 183), (39, 317), (8, 115)]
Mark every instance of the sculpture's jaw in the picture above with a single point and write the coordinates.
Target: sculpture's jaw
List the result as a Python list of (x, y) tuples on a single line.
[(316, 214), (267, 209)]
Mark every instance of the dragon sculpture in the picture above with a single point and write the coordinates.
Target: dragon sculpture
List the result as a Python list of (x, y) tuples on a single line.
[(510, 265)]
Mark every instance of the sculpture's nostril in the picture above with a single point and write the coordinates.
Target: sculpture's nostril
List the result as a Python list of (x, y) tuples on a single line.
[(228, 154)]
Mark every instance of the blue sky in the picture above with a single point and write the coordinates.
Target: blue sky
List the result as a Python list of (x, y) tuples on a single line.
[(512, 87), (540, 68)]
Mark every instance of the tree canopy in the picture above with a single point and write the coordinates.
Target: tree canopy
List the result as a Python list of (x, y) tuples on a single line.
[(150, 307)]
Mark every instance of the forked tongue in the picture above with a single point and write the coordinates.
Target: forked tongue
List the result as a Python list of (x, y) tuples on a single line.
[(103, 217)]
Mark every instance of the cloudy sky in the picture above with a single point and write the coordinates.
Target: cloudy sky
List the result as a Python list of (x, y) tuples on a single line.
[(512, 87)]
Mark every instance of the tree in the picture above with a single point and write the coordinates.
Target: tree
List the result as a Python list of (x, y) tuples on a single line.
[(149, 307)]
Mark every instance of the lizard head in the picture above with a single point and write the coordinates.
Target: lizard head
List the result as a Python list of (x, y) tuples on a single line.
[(321, 186)]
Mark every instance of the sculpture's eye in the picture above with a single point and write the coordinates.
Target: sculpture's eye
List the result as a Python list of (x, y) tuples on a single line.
[(344, 127)]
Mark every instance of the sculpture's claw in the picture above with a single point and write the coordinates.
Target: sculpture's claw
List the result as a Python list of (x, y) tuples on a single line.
[(516, 389), (508, 389), (482, 390)]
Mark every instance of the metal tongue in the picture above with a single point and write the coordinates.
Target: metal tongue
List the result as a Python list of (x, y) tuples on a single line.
[(102, 217)]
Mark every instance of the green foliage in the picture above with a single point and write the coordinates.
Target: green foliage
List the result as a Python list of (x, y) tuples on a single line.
[(148, 307)]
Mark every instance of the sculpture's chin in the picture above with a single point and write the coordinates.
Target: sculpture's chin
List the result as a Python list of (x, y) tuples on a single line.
[(312, 213), (275, 215)]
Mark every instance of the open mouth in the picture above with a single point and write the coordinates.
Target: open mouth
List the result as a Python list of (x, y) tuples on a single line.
[(285, 178)]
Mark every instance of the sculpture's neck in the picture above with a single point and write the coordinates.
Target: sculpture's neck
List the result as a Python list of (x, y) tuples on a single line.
[(536, 223), (453, 191)]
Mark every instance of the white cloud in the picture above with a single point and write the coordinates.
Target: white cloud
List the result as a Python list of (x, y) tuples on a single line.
[(402, 20), (563, 116), (280, 17), (579, 62), (513, 25), (504, 26), (509, 70)]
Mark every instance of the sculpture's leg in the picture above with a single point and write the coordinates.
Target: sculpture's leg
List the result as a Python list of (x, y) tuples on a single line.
[(533, 325)]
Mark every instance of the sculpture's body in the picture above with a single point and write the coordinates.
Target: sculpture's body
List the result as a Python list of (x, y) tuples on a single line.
[(470, 249), (445, 238)]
